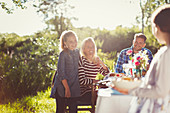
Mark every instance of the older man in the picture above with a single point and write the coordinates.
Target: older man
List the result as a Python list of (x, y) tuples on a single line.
[(138, 45)]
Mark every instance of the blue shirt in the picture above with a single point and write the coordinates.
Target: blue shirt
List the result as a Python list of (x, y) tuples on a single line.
[(67, 68), (123, 58)]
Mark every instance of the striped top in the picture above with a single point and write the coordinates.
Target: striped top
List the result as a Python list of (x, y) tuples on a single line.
[(87, 73)]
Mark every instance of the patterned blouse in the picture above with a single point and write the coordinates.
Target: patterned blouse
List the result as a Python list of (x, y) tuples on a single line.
[(87, 73)]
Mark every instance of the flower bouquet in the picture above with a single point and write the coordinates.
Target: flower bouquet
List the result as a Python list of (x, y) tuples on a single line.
[(138, 63)]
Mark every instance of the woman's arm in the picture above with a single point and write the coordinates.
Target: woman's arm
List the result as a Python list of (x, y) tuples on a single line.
[(100, 63), (159, 77), (61, 66), (62, 75), (104, 69), (67, 89)]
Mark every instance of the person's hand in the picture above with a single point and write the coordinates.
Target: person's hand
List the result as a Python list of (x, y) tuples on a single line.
[(67, 93), (95, 81), (97, 61), (124, 91), (147, 66), (67, 89), (100, 62)]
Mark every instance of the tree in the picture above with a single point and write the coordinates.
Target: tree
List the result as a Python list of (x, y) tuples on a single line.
[(17, 3), (56, 14), (147, 7), (59, 24), (29, 67)]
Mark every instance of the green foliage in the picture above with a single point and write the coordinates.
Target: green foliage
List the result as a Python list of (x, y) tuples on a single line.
[(85, 32), (57, 14), (147, 7), (99, 76), (109, 59), (17, 3), (28, 67), (151, 41), (59, 24), (116, 40), (41, 103)]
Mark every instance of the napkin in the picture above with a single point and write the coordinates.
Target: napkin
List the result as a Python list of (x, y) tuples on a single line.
[(108, 92)]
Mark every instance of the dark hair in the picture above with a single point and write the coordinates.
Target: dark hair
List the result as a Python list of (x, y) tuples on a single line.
[(140, 35), (161, 17)]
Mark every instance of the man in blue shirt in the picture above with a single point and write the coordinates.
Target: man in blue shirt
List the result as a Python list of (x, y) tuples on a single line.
[(138, 45)]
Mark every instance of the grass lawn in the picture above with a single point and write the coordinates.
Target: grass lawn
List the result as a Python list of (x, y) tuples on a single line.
[(41, 103)]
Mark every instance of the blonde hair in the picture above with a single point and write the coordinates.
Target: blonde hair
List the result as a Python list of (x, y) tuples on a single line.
[(64, 36), (86, 40)]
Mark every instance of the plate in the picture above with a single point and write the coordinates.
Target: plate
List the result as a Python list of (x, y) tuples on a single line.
[(126, 84)]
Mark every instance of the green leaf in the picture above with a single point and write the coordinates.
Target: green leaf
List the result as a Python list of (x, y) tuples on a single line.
[(99, 76)]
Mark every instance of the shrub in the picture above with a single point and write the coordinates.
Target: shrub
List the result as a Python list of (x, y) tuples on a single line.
[(29, 67)]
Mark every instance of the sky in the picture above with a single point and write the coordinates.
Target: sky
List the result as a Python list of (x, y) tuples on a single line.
[(93, 13)]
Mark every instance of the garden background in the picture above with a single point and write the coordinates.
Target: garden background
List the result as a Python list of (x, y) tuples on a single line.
[(28, 63)]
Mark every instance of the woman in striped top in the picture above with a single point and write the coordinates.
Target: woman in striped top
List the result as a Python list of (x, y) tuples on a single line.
[(89, 66)]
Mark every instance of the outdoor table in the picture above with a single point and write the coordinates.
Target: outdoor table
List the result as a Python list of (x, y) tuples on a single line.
[(111, 101), (95, 87)]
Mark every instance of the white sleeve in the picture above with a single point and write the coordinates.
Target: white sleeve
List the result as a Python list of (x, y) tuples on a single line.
[(160, 81)]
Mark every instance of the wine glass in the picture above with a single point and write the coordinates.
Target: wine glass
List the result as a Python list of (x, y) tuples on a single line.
[(126, 69)]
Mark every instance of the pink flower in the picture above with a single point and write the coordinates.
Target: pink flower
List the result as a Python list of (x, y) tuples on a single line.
[(137, 63), (132, 60), (138, 58), (129, 52)]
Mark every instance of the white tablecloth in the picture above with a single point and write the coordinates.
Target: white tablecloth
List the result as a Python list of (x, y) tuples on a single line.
[(113, 104)]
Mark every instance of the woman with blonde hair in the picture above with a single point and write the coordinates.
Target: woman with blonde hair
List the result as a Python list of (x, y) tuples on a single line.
[(66, 84), (89, 66)]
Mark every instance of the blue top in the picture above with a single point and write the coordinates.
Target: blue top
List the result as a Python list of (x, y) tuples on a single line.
[(123, 58), (68, 69)]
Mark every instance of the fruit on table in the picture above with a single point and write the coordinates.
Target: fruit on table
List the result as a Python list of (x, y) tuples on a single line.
[(127, 78)]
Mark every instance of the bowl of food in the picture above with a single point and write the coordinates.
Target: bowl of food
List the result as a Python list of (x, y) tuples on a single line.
[(116, 74), (127, 83)]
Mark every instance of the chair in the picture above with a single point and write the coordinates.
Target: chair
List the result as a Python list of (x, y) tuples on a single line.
[(81, 105), (91, 105), (94, 87)]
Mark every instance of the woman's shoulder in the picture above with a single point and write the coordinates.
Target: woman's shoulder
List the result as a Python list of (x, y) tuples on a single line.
[(165, 51), (77, 51), (62, 53), (83, 59), (162, 53)]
